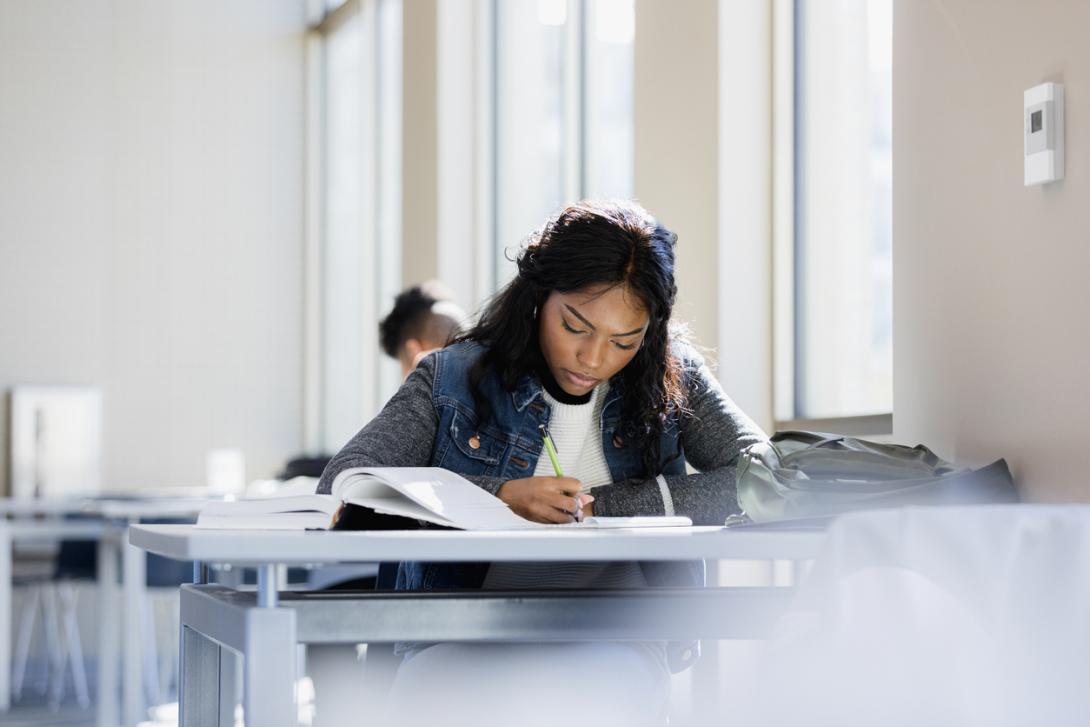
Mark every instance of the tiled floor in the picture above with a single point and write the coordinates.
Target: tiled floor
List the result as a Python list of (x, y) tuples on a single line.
[(336, 667), (39, 715)]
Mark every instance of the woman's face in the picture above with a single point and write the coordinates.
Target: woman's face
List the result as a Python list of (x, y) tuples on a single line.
[(589, 335)]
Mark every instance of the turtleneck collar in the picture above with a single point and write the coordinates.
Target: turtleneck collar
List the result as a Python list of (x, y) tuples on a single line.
[(553, 387)]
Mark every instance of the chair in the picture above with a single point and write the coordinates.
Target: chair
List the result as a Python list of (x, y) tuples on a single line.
[(54, 596)]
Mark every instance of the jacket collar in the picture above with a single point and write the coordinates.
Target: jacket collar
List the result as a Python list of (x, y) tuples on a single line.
[(527, 389), (616, 391)]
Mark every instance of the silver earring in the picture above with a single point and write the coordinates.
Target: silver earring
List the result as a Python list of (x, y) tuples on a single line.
[(535, 312)]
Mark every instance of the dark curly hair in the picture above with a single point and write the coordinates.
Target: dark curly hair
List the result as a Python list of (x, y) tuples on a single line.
[(414, 315), (592, 243)]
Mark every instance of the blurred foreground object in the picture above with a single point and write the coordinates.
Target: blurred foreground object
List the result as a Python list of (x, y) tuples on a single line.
[(936, 616)]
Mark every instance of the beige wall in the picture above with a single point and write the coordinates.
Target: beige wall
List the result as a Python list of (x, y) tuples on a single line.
[(991, 293), (151, 167), (420, 139), (676, 154)]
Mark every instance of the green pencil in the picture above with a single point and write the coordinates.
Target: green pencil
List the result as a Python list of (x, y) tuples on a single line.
[(551, 449)]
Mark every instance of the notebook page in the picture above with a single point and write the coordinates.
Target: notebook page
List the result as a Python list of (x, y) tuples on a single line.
[(641, 521), (447, 496)]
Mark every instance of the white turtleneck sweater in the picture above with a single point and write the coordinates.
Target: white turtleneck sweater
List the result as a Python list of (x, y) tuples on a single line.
[(578, 439), (574, 429)]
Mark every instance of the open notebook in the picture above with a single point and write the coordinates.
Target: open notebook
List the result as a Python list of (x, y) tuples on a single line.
[(392, 498)]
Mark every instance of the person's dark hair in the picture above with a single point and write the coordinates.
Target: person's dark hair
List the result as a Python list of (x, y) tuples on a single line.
[(591, 243), (414, 316)]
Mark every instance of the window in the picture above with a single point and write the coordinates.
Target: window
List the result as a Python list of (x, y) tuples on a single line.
[(837, 360), (535, 109), (608, 152), (530, 113), (563, 111), (356, 190)]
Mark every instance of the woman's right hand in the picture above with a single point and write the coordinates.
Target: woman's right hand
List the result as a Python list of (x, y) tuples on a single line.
[(544, 499)]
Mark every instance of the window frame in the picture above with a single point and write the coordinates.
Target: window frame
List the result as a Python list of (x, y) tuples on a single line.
[(574, 169), (380, 207), (788, 352)]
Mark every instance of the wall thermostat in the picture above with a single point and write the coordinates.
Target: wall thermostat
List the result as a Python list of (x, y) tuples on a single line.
[(1043, 133)]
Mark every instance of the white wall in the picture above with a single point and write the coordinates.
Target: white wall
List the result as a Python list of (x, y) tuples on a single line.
[(744, 282), (991, 293), (151, 218)]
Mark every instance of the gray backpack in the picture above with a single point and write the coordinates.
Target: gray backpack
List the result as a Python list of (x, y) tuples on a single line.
[(812, 474)]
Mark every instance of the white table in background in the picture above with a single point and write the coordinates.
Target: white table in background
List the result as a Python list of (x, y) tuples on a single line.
[(108, 519), (124, 512), (266, 626)]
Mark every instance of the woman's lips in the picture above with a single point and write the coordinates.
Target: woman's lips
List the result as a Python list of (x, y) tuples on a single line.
[(579, 380)]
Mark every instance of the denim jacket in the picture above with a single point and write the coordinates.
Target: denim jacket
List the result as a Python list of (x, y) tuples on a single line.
[(431, 421), (508, 447)]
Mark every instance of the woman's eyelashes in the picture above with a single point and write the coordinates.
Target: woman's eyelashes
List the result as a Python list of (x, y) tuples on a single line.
[(577, 331), (568, 328)]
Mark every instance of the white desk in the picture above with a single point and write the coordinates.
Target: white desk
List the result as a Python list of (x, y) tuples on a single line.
[(111, 517), (266, 626)]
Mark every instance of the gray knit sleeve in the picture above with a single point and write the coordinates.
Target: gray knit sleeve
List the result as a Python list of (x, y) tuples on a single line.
[(713, 436), (401, 435)]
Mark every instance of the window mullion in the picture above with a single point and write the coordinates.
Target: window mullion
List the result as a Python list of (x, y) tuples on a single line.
[(783, 205), (574, 106)]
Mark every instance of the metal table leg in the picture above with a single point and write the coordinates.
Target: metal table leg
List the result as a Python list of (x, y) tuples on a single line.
[(5, 617), (268, 691), (263, 634), (134, 573), (109, 632), (269, 657)]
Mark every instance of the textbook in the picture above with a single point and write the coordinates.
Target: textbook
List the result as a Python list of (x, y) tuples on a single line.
[(392, 498)]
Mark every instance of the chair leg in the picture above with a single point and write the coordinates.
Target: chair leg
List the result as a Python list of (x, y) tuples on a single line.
[(22, 646), (75, 649), (151, 659), (49, 634), (55, 683)]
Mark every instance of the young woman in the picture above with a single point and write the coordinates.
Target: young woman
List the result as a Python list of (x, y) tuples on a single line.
[(580, 341)]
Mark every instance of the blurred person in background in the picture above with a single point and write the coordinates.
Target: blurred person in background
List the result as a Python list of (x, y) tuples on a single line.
[(424, 318)]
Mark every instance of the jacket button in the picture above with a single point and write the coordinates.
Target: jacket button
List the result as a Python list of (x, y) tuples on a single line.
[(617, 441), (475, 442)]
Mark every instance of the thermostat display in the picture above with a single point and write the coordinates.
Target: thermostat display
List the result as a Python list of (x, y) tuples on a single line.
[(1043, 144)]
